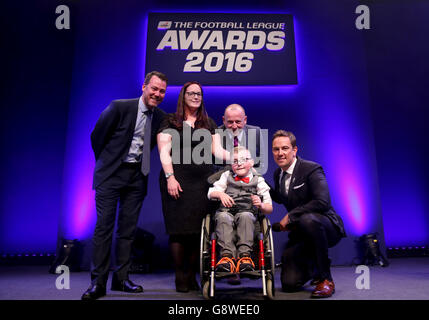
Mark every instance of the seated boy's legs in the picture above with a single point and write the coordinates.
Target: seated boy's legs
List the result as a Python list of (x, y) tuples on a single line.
[(245, 222), (225, 238)]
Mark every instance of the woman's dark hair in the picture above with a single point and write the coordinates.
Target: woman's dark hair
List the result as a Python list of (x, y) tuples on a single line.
[(202, 117)]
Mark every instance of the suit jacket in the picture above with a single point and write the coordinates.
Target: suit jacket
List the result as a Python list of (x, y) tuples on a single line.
[(113, 133), (308, 193), (254, 150)]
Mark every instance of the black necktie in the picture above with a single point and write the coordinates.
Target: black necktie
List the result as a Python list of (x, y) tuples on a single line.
[(146, 143), (282, 183)]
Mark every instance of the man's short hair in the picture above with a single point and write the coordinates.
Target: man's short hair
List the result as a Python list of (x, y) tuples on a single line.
[(160, 75), (239, 149), (234, 106), (284, 133)]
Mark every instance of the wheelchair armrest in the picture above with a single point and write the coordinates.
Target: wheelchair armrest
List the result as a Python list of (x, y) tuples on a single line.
[(216, 176)]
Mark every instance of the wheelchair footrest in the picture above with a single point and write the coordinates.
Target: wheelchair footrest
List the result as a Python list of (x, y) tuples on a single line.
[(222, 275), (251, 274)]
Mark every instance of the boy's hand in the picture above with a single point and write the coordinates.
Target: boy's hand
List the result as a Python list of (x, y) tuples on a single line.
[(226, 200), (256, 201)]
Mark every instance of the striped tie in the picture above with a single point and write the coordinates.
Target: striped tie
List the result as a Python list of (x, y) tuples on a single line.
[(235, 141), (146, 143)]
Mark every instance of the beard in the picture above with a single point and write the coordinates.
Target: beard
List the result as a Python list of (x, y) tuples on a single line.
[(151, 102), (236, 132)]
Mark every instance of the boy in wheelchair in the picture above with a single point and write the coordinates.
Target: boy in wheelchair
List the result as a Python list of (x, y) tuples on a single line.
[(240, 191)]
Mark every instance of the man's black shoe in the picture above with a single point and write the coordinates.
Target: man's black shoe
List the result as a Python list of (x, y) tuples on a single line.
[(94, 292), (126, 286)]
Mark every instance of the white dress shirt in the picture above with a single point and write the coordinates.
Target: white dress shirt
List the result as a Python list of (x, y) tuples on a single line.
[(289, 172), (262, 189), (136, 147)]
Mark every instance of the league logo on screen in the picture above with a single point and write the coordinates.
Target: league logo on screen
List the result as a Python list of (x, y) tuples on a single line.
[(162, 25), (222, 48)]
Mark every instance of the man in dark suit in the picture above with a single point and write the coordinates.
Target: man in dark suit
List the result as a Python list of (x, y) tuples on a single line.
[(121, 140), (313, 225), (239, 133), (236, 132)]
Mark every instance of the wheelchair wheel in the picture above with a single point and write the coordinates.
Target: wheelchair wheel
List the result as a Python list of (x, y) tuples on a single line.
[(270, 289), (206, 290), (269, 247), (269, 244), (204, 250)]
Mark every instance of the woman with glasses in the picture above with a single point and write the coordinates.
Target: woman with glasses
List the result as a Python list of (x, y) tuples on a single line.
[(186, 142)]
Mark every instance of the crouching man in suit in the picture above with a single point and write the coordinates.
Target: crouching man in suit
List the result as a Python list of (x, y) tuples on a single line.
[(313, 225)]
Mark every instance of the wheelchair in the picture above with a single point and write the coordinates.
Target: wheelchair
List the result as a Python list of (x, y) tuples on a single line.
[(263, 257)]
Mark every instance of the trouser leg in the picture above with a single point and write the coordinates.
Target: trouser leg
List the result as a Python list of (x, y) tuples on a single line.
[(131, 201), (295, 266), (245, 222), (106, 199), (225, 233), (319, 234)]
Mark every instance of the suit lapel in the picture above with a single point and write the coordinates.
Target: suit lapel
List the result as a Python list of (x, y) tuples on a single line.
[(294, 174), (135, 110), (276, 180), (245, 136), (293, 179), (132, 116)]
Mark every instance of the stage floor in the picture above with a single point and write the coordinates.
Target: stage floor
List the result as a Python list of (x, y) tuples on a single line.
[(404, 279)]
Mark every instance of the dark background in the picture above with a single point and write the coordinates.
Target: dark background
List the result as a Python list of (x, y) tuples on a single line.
[(359, 109), (281, 63)]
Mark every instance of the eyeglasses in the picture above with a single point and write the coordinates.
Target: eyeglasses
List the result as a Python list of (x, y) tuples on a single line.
[(194, 94), (240, 161)]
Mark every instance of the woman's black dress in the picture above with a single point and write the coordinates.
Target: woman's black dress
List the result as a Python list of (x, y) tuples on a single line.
[(184, 215)]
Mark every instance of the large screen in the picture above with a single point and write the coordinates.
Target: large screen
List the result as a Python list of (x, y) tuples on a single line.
[(222, 48)]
